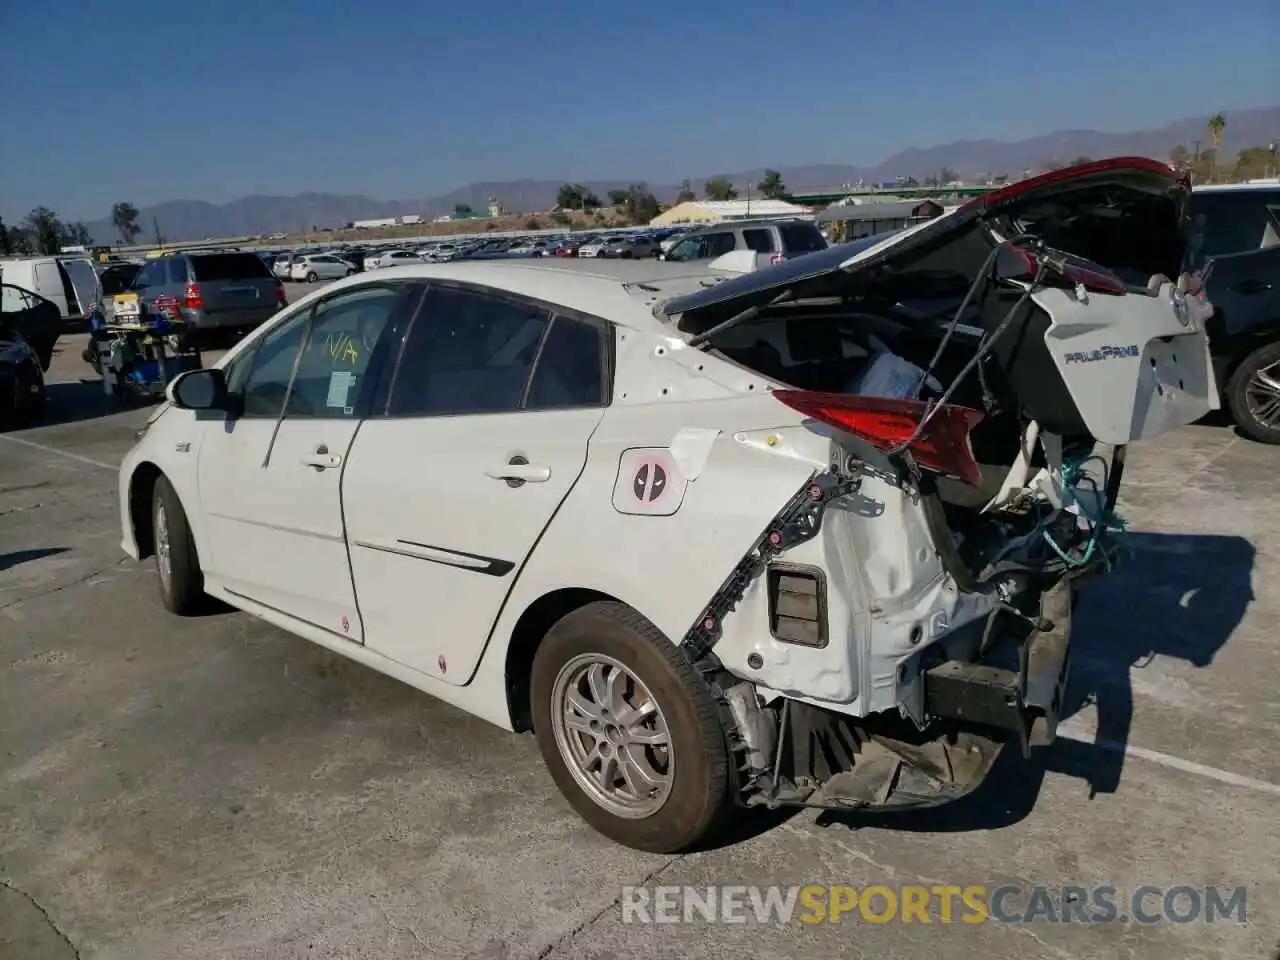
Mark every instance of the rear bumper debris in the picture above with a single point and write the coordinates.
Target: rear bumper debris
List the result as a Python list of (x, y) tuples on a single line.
[(1026, 701)]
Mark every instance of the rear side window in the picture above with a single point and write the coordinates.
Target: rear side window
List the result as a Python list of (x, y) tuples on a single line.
[(571, 367), (177, 271), (229, 266), (761, 241), (801, 238), (718, 244), (468, 352)]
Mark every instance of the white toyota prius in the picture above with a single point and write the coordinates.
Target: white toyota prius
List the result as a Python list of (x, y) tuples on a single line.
[(809, 535)]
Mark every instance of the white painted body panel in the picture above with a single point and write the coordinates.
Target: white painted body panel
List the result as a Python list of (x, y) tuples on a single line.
[(424, 503)]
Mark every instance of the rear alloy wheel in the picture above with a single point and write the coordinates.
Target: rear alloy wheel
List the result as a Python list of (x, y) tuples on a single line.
[(629, 730), (1253, 394), (177, 565), (312, 277)]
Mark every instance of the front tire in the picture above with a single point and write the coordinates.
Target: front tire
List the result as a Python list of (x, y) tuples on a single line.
[(629, 730), (313, 277), (177, 565), (1253, 394)]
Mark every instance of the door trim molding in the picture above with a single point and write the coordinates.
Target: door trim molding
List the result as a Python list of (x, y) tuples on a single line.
[(476, 563)]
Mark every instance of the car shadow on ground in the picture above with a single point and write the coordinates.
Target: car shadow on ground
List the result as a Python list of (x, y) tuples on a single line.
[(10, 560), (76, 402), (1179, 596)]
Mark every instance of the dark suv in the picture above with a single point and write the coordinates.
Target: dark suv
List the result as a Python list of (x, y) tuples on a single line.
[(784, 239), (1236, 238), (230, 290)]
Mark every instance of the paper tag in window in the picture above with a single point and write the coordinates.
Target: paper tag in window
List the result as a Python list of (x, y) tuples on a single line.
[(340, 384)]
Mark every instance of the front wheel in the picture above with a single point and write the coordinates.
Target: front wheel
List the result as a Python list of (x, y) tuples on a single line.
[(629, 730), (312, 277), (349, 273), (177, 565), (1253, 394)]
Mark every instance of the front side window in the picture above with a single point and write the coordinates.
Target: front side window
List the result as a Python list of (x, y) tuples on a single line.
[(468, 352), (334, 360)]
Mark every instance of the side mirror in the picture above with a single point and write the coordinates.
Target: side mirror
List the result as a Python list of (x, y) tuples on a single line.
[(198, 390)]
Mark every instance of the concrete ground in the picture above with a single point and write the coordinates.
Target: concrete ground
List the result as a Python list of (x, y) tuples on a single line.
[(214, 788)]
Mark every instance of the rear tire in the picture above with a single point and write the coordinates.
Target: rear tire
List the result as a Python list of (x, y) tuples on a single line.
[(630, 731), (1253, 401), (312, 277), (177, 565)]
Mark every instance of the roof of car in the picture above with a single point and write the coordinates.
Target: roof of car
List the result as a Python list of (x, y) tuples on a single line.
[(622, 291)]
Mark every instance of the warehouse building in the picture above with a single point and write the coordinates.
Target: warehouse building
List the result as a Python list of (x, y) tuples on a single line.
[(715, 211)]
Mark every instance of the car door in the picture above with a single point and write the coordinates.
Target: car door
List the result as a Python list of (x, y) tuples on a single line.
[(269, 477), (485, 431), (1237, 233)]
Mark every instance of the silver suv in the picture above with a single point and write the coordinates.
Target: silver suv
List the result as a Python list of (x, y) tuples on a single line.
[(784, 239), (226, 290)]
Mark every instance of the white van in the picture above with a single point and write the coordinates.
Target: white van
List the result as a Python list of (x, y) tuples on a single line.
[(70, 283)]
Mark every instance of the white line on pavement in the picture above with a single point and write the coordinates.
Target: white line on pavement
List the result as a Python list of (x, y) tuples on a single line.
[(1079, 733), (61, 453)]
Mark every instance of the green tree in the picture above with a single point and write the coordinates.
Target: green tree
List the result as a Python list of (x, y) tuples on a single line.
[(533, 223), (574, 196), (561, 219), (719, 188), (124, 217), (18, 241), (771, 186), (947, 175), (1254, 162), (5, 243), (686, 193), (638, 204), (1215, 125), (463, 211), (618, 199), (76, 234), (46, 230)]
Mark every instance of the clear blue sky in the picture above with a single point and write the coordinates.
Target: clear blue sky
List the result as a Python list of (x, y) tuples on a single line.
[(153, 100)]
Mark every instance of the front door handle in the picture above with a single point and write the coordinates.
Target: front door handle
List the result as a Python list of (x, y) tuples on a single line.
[(322, 459), (518, 471)]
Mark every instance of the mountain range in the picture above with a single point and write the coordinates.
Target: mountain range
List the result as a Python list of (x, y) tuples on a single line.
[(259, 215)]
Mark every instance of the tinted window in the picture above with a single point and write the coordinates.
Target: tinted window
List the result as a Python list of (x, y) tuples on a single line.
[(148, 275), (761, 241), (801, 238), (118, 279), (719, 244), (334, 361), (177, 272), (571, 367), (228, 266), (1226, 222), (468, 352)]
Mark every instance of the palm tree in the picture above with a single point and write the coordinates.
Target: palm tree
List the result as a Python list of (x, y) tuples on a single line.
[(1216, 124)]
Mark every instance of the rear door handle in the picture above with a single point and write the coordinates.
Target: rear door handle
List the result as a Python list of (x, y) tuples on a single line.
[(322, 459), (519, 471)]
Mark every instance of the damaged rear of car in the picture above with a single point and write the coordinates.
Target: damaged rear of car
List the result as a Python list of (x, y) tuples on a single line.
[(967, 390)]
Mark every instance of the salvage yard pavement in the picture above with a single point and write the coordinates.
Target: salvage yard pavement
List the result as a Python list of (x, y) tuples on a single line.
[(215, 788)]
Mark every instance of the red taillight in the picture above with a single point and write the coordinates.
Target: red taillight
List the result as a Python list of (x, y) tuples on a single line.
[(192, 299), (886, 422), (1068, 269)]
